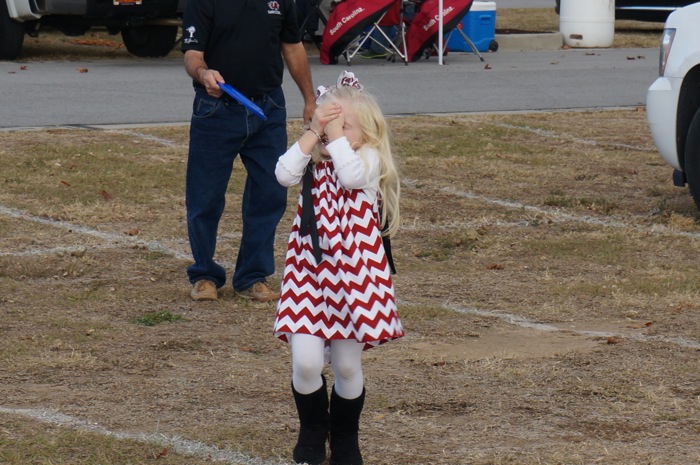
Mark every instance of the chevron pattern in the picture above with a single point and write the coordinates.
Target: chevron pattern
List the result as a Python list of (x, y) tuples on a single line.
[(350, 294)]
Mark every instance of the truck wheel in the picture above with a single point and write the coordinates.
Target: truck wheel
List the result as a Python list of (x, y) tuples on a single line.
[(149, 41), (692, 158), (11, 34)]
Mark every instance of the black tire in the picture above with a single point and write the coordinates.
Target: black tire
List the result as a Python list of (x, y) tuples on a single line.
[(149, 41), (493, 46), (691, 165), (11, 34)]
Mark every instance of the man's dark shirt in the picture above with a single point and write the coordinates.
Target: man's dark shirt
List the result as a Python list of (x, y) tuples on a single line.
[(241, 39)]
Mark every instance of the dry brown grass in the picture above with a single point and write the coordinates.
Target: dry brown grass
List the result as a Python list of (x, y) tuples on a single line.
[(547, 282), (628, 34)]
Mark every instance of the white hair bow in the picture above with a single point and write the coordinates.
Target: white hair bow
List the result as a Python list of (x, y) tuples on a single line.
[(346, 78)]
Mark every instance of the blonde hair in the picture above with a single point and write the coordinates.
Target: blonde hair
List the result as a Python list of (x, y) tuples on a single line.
[(375, 134)]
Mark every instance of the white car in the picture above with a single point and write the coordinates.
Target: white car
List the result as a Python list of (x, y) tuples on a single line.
[(673, 100)]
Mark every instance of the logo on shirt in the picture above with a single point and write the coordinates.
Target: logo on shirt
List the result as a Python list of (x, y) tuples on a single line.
[(273, 8), (190, 40)]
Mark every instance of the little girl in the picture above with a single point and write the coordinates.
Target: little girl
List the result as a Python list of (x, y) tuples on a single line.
[(337, 291)]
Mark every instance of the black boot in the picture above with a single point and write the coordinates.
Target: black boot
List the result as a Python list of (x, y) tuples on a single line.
[(345, 424), (313, 430)]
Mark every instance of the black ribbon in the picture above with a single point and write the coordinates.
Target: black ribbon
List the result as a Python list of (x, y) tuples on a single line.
[(308, 218), (387, 246)]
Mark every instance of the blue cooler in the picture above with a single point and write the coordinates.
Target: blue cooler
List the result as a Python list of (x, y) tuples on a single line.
[(479, 24)]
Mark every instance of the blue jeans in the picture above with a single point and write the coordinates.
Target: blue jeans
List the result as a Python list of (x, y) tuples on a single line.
[(220, 130)]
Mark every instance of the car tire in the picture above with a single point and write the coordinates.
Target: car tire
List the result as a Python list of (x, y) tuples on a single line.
[(11, 34), (691, 166), (149, 41)]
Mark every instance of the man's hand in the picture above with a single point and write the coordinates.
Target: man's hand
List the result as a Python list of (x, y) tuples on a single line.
[(197, 68), (210, 79)]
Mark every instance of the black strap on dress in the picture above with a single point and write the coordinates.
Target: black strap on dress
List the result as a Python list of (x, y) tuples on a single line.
[(387, 246), (308, 218), (308, 224)]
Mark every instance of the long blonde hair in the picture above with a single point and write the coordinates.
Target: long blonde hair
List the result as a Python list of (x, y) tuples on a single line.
[(375, 134)]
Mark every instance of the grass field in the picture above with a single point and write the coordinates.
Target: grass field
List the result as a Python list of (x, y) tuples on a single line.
[(547, 283)]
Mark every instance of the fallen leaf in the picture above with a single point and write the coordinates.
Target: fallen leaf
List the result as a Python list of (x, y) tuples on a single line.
[(133, 232), (105, 195), (82, 70), (65, 183), (640, 325), (163, 453), (495, 266), (23, 67), (613, 340), (96, 42), (488, 66)]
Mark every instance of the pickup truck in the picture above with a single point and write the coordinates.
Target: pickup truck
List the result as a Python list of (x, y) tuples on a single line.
[(673, 99), (148, 27)]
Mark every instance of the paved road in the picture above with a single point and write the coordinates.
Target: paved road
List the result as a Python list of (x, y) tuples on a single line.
[(157, 91)]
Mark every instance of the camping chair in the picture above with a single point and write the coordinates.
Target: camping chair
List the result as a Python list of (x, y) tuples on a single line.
[(375, 36), (354, 23), (422, 33), (314, 14), (467, 40)]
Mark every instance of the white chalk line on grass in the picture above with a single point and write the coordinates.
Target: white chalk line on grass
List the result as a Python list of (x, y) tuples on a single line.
[(554, 135), (42, 251), (558, 215), (179, 445), (523, 322), (150, 138), (513, 319), (107, 236)]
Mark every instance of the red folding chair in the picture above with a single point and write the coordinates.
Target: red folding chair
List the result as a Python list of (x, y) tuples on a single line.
[(353, 23)]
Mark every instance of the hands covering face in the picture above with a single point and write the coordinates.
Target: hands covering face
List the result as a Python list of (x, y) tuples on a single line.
[(328, 120)]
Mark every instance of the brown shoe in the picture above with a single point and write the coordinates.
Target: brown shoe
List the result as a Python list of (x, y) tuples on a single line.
[(204, 290), (259, 291)]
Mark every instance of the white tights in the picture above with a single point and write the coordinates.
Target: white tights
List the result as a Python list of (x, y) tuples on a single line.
[(308, 361)]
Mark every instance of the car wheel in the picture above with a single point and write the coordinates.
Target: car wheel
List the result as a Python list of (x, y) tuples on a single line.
[(149, 41), (11, 34), (692, 158)]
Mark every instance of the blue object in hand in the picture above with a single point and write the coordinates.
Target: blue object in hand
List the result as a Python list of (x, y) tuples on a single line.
[(243, 100)]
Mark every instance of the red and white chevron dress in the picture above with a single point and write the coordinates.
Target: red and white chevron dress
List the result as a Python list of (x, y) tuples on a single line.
[(350, 293)]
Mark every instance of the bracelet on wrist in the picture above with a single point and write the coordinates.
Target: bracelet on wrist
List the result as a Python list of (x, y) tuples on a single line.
[(320, 139)]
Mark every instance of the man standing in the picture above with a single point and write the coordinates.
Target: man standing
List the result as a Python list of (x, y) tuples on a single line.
[(240, 43)]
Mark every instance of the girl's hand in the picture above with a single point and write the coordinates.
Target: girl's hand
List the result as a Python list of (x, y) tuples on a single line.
[(324, 114), (334, 128)]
